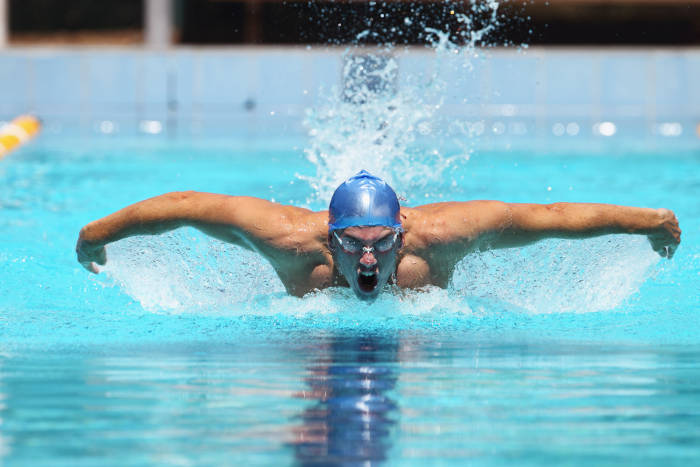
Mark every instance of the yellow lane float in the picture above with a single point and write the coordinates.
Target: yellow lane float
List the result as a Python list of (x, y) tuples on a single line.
[(17, 132)]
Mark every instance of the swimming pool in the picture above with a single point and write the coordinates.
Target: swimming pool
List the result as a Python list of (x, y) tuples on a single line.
[(187, 351)]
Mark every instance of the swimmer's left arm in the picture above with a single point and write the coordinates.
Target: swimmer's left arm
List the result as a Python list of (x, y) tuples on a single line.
[(449, 231), (523, 224)]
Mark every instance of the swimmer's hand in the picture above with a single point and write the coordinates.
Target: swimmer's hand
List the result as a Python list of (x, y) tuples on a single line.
[(666, 236), (90, 255)]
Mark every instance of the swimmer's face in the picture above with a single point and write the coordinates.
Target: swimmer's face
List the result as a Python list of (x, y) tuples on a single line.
[(366, 256)]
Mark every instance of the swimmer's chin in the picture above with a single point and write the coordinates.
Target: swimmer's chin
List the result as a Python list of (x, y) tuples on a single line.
[(367, 285), (367, 296)]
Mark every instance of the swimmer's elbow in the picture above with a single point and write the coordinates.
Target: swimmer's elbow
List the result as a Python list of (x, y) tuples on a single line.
[(179, 196), (161, 213), (187, 203), (557, 208)]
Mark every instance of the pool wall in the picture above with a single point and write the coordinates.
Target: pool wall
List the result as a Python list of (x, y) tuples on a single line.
[(549, 93)]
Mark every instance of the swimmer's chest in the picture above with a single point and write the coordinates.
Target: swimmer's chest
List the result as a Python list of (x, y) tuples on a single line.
[(302, 280), (414, 271)]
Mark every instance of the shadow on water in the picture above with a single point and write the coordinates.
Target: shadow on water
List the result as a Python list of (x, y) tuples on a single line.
[(352, 419)]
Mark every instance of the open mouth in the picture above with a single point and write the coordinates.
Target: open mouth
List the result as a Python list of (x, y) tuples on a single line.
[(367, 280)]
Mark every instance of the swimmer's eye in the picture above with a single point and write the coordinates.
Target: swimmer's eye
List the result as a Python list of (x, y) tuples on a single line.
[(349, 244), (354, 245), (386, 243)]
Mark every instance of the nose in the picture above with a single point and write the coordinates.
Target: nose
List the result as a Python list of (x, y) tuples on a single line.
[(368, 260)]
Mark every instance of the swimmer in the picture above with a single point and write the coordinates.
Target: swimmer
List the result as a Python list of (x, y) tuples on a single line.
[(365, 240)]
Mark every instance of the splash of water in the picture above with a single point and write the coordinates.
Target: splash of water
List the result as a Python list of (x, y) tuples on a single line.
[(382, 122), (558, 276), (185, 271), (390, 124)]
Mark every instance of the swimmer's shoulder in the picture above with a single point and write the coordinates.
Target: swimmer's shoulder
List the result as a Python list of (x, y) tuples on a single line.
[(450, 211), (427, 217), (312, 223), (418, 225), (290, 218), (444, 223), (301, 231)]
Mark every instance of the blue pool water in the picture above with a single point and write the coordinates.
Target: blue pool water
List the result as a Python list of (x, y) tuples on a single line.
[(187, 351)]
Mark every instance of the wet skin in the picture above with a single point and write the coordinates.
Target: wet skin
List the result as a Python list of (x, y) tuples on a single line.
[(435, 237)]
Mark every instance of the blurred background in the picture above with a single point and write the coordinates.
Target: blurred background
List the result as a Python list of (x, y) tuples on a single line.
[(555, 68), (199, 22)]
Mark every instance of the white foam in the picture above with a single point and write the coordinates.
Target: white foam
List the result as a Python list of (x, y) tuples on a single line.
[(556, 276), (184, 270)]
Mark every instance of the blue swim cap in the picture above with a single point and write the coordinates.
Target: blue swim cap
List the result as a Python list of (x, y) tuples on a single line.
[(363, 200)]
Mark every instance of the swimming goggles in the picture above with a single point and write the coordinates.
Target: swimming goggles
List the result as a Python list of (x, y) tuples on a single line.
[(353, 245)]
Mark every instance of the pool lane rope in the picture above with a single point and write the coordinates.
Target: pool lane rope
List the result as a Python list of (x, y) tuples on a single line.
[(17, 132)]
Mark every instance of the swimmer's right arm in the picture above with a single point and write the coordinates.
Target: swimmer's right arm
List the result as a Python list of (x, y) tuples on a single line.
[(252, 223)]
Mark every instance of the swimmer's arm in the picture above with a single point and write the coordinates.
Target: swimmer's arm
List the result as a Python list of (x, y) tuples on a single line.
[(252, 223), (523, 224)]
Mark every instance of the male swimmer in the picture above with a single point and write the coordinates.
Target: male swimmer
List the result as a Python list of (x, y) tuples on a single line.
[(365, 239)]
